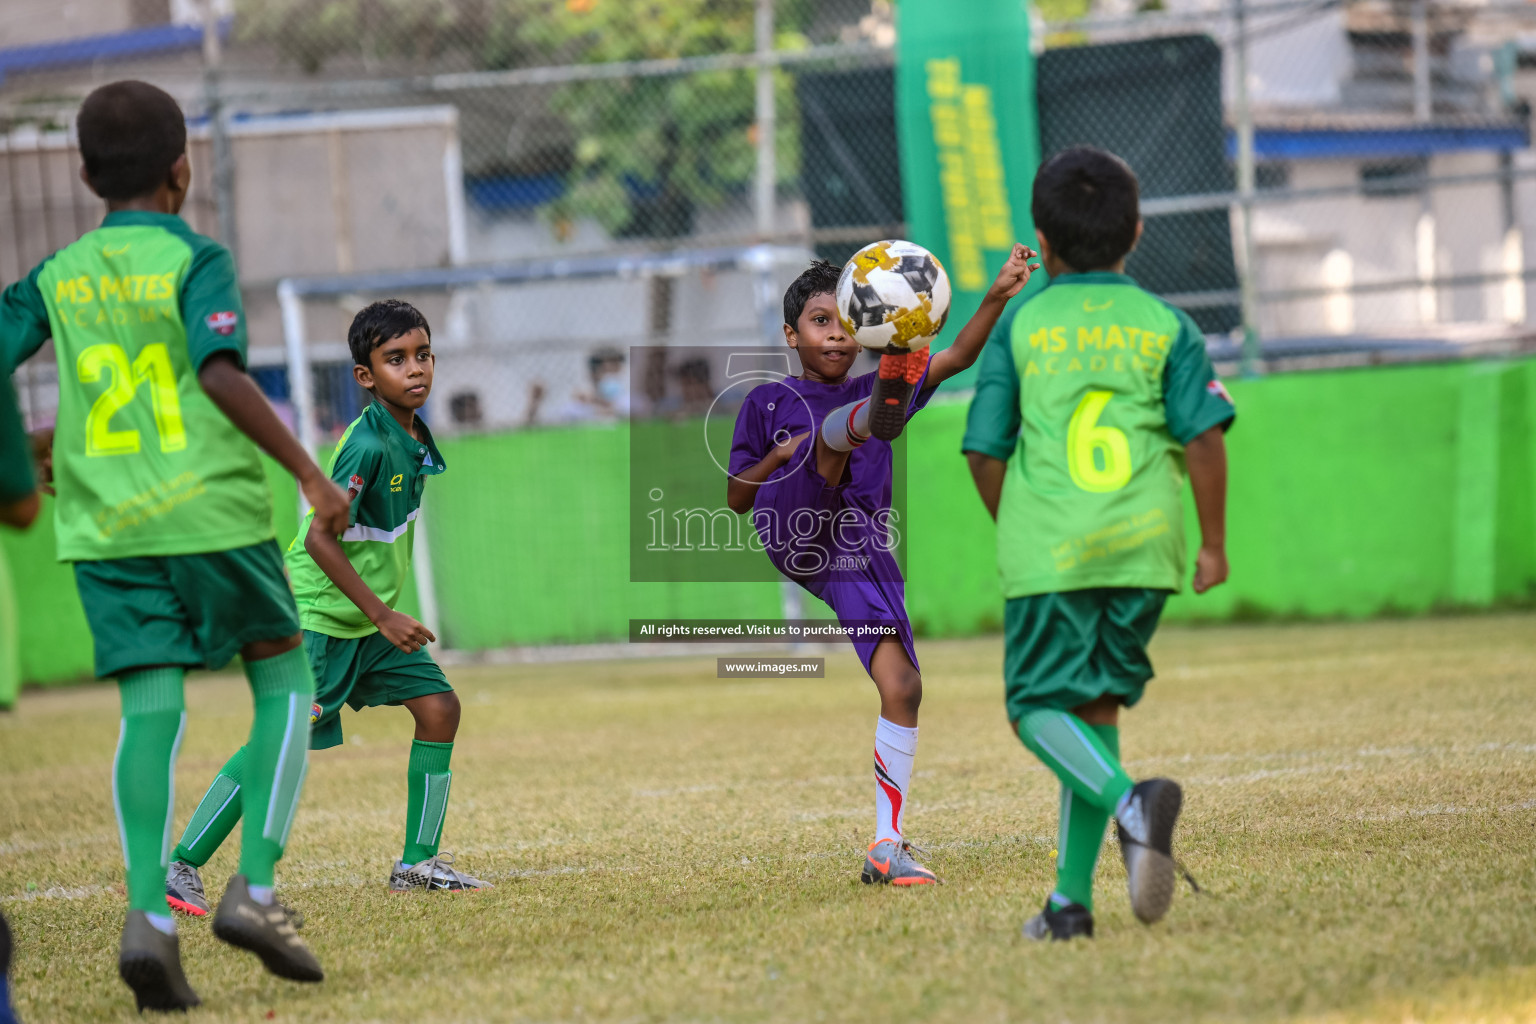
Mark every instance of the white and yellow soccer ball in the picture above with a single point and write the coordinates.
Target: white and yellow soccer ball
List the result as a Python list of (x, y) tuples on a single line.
[(893, 293)]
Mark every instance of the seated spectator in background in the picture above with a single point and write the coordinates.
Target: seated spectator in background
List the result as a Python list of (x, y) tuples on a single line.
[(607, 401), (698, 393)]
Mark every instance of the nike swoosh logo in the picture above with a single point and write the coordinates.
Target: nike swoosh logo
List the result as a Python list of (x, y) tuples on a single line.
[(109, 252), (882, 866), (1089, 307)]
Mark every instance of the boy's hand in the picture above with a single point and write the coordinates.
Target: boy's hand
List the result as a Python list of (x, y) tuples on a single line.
[(332, 509), (786, 451), (962, 353), (403, 631), (1210, 569), (1015, 273)]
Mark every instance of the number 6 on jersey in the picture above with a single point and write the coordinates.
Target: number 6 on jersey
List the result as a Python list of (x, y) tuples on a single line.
[(1088, 443)]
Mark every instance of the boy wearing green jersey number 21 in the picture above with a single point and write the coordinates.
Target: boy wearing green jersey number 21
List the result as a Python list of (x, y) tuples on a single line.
[(363, 652), (1092, 399), (164, 509)]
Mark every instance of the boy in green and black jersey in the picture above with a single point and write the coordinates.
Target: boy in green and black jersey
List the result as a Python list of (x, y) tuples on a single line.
[(164, 509), (1093, 398), (363, 652)]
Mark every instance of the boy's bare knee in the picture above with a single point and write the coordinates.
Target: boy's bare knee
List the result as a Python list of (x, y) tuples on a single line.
[(1104, 710), (447, 707), (437, 716), (908, 690), (261, 650)]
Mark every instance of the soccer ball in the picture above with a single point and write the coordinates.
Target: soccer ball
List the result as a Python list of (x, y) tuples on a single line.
[(893, 293)]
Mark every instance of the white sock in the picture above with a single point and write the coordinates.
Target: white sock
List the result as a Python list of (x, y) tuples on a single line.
[(895, 750), (261, 894), (847, 426), (165, 924)]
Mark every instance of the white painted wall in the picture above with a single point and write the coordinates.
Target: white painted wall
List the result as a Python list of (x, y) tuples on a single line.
[(1327, 242)]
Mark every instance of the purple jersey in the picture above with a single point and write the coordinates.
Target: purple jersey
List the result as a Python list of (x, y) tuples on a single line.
[(836, 540)]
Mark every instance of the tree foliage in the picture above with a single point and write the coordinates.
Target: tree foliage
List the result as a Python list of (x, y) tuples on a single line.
[(643, 152)]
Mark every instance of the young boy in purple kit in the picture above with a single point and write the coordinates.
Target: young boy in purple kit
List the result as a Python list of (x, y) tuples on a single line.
[(822, 509)]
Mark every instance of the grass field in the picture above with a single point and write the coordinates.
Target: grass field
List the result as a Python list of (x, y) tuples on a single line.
[(666, 846)]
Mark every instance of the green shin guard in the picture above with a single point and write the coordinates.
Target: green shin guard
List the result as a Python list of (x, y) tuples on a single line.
[(216, 815), (1081, 836), (277, 757), (144, 777), (427, 802), (1078, 757)]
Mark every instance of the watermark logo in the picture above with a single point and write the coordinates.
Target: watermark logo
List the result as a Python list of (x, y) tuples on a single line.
[(703, 505)]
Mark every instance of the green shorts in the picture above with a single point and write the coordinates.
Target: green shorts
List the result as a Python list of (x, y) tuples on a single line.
[(1065, 649), (363, 672), (192, 610)]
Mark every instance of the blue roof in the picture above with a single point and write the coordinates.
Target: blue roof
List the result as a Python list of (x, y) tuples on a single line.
[(1346, 142), (514, 192), (136, 42)]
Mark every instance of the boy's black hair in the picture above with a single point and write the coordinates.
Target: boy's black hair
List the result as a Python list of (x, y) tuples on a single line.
[(379, 322), (600, 357), (1087, 205), (130, 134), (820, 278)]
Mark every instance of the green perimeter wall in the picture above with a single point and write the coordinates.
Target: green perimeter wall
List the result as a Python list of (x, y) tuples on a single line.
[(1353, 493)]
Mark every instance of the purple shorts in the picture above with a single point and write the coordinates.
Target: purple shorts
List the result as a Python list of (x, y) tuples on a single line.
[(864, 588)]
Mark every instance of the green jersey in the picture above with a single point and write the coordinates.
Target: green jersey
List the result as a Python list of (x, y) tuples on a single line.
[(1098, 385), (384, 470), (17, 477), (144, 463)]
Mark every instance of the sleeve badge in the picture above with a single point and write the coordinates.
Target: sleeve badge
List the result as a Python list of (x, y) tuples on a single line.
[(222, 323), (1218, 389)]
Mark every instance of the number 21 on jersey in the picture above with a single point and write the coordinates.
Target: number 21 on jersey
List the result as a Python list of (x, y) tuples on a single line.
[(153, 366), (1098, 457)]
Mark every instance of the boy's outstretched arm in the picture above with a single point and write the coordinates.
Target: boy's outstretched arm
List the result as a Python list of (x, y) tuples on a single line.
[(398, 628), (968, 343), (237, 396), (988, 474), (1206, 457)]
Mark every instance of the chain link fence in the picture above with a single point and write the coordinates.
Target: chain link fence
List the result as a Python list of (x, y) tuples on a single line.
[(1331, 180)]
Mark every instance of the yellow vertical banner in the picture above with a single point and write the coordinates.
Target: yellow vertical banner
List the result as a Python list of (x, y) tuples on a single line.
[(969, 136)]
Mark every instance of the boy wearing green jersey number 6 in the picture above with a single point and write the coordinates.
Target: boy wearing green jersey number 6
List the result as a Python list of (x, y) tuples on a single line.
[(164, 509), (1093, 398)]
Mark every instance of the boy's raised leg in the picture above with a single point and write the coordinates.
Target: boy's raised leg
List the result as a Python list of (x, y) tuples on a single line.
[(277, 757), (891, 400), (143, 783)]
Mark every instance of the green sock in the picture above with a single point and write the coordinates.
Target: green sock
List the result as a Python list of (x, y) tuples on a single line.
[(1077, 755), (427, 800), (215, 816), (276, 758), (144, 777), (1081, 836)]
